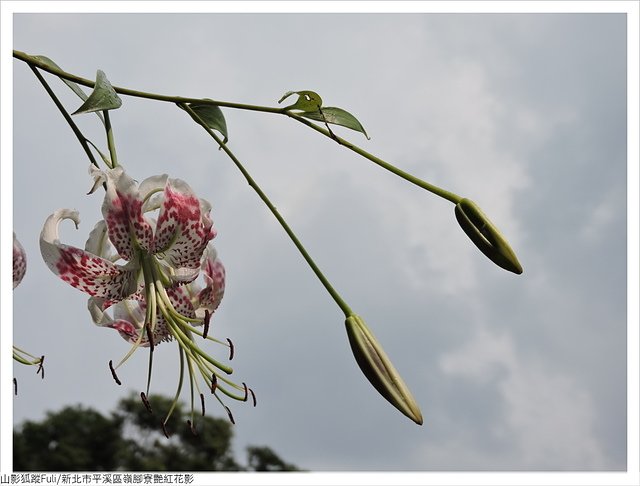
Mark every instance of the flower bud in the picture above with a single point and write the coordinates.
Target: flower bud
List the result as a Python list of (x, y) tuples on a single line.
[(486, 236), (378, 369)]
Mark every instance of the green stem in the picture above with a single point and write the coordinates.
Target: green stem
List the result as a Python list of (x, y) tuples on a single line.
[(450, 196), (81, 138), (454, 198), (32, 61), (336, 297), (110, 141)]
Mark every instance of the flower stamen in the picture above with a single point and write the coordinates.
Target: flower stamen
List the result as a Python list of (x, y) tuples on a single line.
[(207, 318), (230, 349), (146, 403), (113, 373)]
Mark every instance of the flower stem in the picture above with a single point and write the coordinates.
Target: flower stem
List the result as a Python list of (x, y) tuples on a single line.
[(450, 196), (336, 297), (81, 138), (454, 198), (110, 141)]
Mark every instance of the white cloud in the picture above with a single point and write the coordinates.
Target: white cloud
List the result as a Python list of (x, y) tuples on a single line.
[(547, 417)]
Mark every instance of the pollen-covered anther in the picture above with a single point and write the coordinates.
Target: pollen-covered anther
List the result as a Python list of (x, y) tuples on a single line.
[(214, 383), (113, 373), (145, 401), (230, 349)]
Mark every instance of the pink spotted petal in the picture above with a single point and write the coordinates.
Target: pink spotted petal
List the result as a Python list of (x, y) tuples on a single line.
[(19, 262), (83, 270), (181, 301), (182, 231), (128, 320), (210, 296), (122, 211)]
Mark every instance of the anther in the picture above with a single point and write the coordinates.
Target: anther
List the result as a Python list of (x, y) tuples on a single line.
[(15, 387), (230, 349), (214, 382), (193, 429), (207, 319), (230, 415), (202, 403), (113, 373), (146, 402), (164, 429), (41, 367), (253, 396), (246, 392)]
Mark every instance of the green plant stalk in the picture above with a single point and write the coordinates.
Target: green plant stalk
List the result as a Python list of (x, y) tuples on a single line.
[(454, 198), (32, 61), (450, 196), (110, 140), (327, 285), (81, 138)]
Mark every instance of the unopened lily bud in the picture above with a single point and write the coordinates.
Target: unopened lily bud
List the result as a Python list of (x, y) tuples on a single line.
[(379, 370), (486, 236)]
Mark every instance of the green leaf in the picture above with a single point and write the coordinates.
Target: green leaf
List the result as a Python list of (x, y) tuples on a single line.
[(336, 116), (307, 100), (74, 86), (103, 97), (212, 116)]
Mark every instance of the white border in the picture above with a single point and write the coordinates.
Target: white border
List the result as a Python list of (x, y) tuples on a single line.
[(631, 8)]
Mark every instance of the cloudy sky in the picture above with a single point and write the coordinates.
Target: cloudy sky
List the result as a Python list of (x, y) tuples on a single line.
[(523, 113)]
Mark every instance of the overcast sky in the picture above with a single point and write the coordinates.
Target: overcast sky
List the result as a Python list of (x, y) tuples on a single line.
[(525, 114)]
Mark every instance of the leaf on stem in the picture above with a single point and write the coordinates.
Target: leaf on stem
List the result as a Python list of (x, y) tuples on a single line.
[(336, 116), (307, 100), (310, 104), (212, 116), (74, 86), (103, 97)]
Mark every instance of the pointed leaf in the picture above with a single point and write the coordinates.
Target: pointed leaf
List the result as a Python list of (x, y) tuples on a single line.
[(212, 116), (336, 116), (307, 100), (74, 86), (103, 97)]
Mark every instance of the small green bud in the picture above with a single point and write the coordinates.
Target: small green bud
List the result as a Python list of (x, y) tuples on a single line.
[(378, 369), (486, 236)]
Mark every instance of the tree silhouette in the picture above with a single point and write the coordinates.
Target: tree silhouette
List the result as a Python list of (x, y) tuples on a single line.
[(132, 439)]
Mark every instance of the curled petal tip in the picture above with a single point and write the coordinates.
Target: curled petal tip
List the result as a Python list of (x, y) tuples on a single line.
[(379, 370), (19, 262), (486, 236)]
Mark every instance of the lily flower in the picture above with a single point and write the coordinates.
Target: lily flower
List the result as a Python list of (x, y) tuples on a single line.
[(153, 295), (19, 269)]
